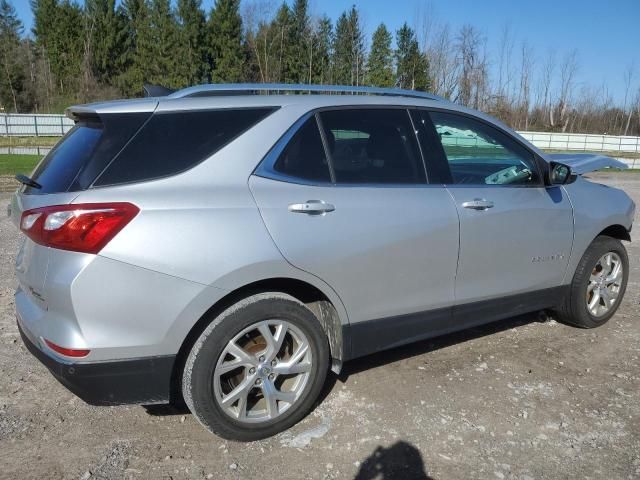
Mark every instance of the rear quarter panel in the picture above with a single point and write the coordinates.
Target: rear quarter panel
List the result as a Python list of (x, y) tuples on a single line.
[(202, 226)]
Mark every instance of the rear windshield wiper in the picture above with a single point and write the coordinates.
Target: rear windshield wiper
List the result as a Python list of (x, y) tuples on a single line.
[(23, 179)]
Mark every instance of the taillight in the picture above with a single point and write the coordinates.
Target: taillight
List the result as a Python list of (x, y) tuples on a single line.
[(84, 227), (68, 352)]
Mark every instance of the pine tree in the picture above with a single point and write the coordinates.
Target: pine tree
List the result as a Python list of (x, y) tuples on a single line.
[(323, 38), (152, 56), (44, 19), (12, 74), (192, 50), (162, 63), (226, 49), (298, 46), (342, 52), (107, 42), (58, 28), (69, 48), (348, 49), (279, 52), (380, 62), (135, 24), (412, 67)]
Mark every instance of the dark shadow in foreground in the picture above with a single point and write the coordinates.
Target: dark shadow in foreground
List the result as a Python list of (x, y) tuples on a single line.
[(399, 461)]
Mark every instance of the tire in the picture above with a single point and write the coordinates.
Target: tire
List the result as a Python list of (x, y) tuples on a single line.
[(216, 371), (575, 309)]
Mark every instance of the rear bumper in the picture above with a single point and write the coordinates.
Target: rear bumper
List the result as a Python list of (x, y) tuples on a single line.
[(134, 381)]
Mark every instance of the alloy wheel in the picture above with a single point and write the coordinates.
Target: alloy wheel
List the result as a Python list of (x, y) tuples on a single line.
[(262, 371), (604, 284)]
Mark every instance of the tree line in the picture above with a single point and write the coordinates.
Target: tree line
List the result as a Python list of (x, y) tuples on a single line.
[(103, 49)]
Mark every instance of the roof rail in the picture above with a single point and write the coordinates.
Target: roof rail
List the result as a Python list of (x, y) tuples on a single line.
[(227, 89)]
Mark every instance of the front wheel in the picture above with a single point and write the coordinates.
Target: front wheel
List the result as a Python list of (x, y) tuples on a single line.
[(598, 284), (257, 369)]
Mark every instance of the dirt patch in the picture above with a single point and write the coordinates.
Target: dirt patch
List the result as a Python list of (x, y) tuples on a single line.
[(8, 184), (519, 399)]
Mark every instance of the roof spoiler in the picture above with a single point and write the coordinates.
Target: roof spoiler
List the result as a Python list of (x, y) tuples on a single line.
[(156, 90)]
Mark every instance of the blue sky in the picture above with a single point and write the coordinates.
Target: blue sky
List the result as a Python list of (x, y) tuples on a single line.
[(606, 33)]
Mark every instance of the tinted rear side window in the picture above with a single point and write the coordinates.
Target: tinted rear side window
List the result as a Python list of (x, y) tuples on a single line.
[(173, 142), (304, 156)]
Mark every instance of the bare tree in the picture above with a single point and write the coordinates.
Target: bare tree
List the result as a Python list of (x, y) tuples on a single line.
[(548, 71), (443, 63), (87, 57), (261, 38), (505, 73), (468, 45), (524, 94), (628, 78), (425, 24), (568, 70)]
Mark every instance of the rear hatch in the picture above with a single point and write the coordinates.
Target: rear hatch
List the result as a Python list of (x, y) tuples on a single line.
[(69, 168)]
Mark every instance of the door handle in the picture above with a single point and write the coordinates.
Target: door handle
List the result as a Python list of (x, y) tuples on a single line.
[(312, 207), (478, 204)]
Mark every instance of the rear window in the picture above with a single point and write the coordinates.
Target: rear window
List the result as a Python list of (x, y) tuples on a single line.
[(172, 142), (75, 162), (59, 168)]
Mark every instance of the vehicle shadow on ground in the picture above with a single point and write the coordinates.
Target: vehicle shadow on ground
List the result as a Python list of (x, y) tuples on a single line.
[(399, 461), (389, 356), (432, 344)]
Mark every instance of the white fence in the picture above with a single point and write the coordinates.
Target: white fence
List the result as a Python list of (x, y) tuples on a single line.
[(29, 125), (41, 125), (25, 150), (584, 142)]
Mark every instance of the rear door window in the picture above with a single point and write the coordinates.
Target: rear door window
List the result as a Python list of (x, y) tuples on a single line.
[(172, 142), (373, 146)]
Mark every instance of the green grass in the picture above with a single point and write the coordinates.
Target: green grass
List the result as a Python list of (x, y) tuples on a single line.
[(10, 164)]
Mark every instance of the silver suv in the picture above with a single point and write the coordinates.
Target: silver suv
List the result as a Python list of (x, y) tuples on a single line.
[(229, 244)]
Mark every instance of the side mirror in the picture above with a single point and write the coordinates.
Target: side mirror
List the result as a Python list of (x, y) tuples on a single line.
[(559, 174)]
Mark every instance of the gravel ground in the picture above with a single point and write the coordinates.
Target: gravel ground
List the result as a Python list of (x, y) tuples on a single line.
[(524, 398)]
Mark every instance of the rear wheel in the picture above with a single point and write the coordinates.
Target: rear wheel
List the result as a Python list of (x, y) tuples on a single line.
[(598, 284), (257, 369)]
